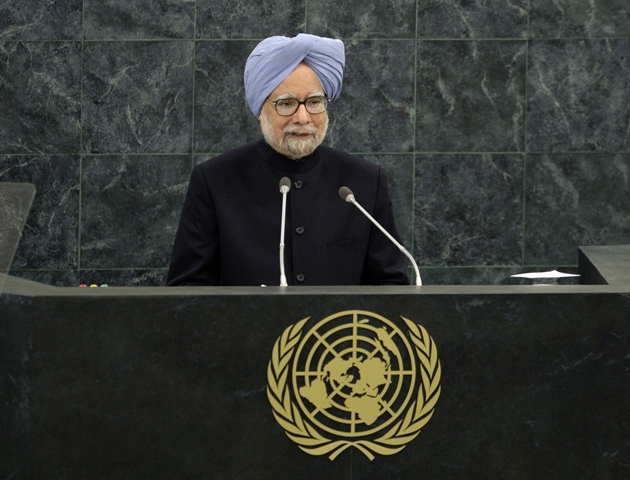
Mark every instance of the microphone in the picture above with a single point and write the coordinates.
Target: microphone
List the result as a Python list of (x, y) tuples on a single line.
[(348, 196), (285, 186)]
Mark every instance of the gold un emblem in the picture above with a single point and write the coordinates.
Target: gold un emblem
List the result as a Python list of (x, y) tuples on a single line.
[(353, 380)]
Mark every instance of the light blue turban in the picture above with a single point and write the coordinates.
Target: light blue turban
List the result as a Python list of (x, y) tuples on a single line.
[(275, 58)]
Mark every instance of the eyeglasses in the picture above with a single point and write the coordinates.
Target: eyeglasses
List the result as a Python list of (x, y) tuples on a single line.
[(288, 106)]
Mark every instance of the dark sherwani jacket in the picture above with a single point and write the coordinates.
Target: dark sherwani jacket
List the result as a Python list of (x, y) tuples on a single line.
[(229, 231)]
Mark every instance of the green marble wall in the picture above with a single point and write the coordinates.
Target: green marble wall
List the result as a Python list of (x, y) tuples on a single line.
[(504, 126)]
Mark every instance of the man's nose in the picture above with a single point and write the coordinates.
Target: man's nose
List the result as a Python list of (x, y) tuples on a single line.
[(301, 115)]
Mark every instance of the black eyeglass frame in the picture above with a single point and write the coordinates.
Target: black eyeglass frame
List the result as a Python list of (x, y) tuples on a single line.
[(275, 104)]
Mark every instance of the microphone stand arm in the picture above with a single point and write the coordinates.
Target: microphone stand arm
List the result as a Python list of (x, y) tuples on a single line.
[(351, 199), (283, 276)]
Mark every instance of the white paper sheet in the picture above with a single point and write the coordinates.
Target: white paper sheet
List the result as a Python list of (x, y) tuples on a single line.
[(551, 274)]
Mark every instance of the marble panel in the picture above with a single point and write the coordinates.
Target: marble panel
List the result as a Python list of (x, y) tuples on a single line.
[(494, 275), (130, 209), (40, 20), (50, 237), (137, 97), (56, 278), (40, 96), (375, 112), (578, 95), (140, 19), (573, 200), (124, 277), (579, 18), (469, 275), (399, 169), (222, 118), (249, 18), (468, 210), (353, 19), (466, 19), (470, 96)]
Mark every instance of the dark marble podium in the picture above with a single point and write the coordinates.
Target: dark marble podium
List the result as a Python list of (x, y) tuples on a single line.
[(150, 383), (604, 264)]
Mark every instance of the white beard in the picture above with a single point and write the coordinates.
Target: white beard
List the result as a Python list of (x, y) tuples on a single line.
[(289, 146)]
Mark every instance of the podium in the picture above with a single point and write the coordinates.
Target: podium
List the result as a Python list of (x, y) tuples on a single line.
[(163, 382), (15, 203)]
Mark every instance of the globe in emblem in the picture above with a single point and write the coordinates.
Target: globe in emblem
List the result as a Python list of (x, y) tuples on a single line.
[(354, 373)]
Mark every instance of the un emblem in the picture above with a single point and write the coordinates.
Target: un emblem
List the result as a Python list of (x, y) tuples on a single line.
[(353, 380)]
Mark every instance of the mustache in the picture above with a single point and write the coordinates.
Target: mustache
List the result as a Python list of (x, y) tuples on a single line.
[(300, 130)]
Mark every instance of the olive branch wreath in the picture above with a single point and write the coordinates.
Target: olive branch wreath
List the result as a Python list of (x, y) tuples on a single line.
[(308, 438)]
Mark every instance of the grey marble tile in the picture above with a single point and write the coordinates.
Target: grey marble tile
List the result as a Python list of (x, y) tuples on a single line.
[(124, 277), (40, 97), (573, 200), (358, 19), (50, 237), (140, 19), (578, 95), (137, 97), (470, 96), (579, 18), (41, 20), (249, 18), (130, 209), (375, 111), (468, 210), (466, 19), (222, 118), (399, 169), (470, 275), (56, 278)]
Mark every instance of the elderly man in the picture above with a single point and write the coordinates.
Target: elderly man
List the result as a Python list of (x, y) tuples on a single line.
[(229, 231)]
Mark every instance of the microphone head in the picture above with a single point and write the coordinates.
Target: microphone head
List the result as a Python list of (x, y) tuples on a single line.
[(346, 194), (285, 185)]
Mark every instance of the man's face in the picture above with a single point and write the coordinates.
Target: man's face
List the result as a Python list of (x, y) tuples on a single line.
[(300, 134)]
